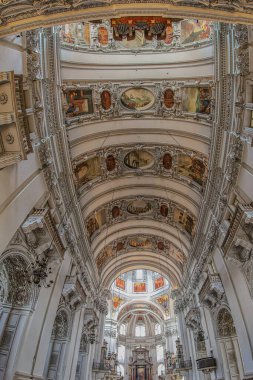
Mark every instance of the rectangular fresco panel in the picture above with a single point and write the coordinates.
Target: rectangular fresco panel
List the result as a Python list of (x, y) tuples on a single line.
[(191, 167), (78, 102), (140, 287), (120, 283), (96, 221), (196, 99), (185, 220), (141, 373), (159, 283), (194, 31), (88, 170)]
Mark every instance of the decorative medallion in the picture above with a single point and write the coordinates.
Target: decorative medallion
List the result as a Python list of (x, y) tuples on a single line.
[(110, 163), (168, 98), (139, 159), (116, 212), (167, 161), (137, 99), (106, 100), (164, 210)]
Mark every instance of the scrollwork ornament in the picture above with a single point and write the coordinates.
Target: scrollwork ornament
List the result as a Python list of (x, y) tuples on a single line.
[(3, 98)]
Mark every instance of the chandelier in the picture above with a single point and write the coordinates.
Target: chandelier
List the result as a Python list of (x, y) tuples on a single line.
[(37, 273)]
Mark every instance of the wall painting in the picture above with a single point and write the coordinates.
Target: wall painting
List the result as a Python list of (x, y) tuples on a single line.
[(140, 242), (106, 100), (194, 31), (120, 283), (96, 221), (191, 167), (185, 220), (88, 170), (110, 163), (159, 283), (139, 207), (103, 36), (137, 99), (168, 98), (116, 302), (163, 301), (139, 159), (196, 99), (140, 287), (78, 102)]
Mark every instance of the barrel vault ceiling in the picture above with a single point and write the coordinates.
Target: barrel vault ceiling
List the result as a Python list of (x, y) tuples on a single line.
[(140, 171)]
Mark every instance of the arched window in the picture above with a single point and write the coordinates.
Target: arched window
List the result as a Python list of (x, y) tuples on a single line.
[(159, 353), (121, 354), (225, 323), (122, 329), (157, 329), (161, 369), (121, 370), (140, 330)]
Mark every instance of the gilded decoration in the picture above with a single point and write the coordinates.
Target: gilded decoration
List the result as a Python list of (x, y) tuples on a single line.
[(142, 243), (167, 161), (136, 34), (158, 209), (189, 99)]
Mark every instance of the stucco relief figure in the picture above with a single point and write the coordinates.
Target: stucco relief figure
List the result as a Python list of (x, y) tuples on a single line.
[(106, 100), (139, 159), (191, 167), (103, 36), (88, 170), (137, 99), (194, 31), (185, 220), (168, 98), (96, 221), (196, 100)]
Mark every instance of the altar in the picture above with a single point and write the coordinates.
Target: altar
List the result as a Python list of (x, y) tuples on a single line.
[(140, 365)]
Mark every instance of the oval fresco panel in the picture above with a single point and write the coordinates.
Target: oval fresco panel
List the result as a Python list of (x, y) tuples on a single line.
[(167, 161), (164, 210), (139, 159), (168, 98), (110, 163), (139, 207), (116, 212), (137, 99), (140, 243), (106, 100)]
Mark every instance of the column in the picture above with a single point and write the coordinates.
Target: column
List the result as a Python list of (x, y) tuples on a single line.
[(32, 357), (74, 345)]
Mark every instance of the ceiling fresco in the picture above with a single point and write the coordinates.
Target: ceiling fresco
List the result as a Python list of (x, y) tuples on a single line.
[(159, 209), (137, 243), (136, 33), (173, 162), (129, 308), (192, 99)]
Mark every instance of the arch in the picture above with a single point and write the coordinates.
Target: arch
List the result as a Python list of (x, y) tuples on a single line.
[(225, 323), (61, 326), (39, 14)]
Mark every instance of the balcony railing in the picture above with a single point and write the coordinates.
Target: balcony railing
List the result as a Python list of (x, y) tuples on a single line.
[(101, 366), (206, 364), (182, 365)]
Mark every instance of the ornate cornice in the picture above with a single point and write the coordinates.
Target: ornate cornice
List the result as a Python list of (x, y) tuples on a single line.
[(29, 14)]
